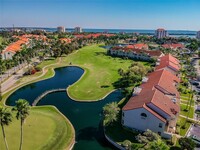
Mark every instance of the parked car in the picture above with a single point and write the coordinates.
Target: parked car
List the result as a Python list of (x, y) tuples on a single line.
[(196, 140), (195, 83)]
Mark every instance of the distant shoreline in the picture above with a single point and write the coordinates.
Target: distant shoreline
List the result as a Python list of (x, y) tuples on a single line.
[(174, 33)]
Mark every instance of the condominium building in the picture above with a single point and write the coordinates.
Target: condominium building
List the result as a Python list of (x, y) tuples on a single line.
[(161, 33), (135, 51), (60, 29), (155, 104), (78, 30), (13, 48), (198, 35)]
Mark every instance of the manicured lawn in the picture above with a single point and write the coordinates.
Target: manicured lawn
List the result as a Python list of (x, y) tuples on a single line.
[(47, 62), (184, 112), (44, 129), (181, 122), (101, 71)]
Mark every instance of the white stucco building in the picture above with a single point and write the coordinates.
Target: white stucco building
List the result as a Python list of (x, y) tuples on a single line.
[(161, 33), (60, 29), (155, 106), (11, 49), (198, 35), (78, 30), (135, 51)]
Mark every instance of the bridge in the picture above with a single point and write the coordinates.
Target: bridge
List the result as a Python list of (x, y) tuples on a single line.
[(46, 93)]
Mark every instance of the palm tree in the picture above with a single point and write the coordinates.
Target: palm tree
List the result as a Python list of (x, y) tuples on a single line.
[(111, 111), (5, 119), (22, 108)]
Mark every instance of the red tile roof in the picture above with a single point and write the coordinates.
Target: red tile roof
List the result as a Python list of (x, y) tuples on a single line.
[(160, 29), (173, 46), (128, 48), (169, 61), (16, 46), (154, 113), (156, 91), (94, 35), (66, 40)]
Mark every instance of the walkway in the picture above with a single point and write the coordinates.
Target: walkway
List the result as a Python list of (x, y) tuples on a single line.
[(8, 85), (46, 93)]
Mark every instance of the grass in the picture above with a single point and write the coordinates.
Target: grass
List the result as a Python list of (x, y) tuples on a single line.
[(119, 134), (184, 112), (183, 129), (185, 95), (44, 129), (101, 71), (185, 98)]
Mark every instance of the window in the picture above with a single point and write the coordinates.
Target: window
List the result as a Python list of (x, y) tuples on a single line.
[(159, 133), (123, 114), (143, 115), (160, 125)]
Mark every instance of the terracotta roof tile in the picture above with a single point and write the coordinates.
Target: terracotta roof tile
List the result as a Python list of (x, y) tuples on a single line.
[(169, 61), (157, 91)]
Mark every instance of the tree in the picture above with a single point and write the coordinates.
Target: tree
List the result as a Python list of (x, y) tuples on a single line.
[(111, 111), (187, 143), (147, 137), (22, 108), (158, 145), (5, 119)]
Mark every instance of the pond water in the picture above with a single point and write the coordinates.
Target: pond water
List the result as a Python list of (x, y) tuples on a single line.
[(86, 117)]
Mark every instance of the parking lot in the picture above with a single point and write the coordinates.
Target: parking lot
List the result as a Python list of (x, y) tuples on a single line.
[(194, 130)]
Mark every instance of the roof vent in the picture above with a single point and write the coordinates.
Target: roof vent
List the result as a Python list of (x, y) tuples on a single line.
[(174, 100)]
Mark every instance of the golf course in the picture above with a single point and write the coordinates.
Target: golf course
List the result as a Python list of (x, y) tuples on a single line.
[(44, 129), (101, 71)]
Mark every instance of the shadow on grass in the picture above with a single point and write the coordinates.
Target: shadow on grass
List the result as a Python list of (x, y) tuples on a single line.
[(101, 53), (175, 148), (105, 86)]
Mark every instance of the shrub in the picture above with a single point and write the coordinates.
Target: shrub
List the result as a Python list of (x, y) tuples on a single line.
[(33, 71), (127, 144), (38, 68)]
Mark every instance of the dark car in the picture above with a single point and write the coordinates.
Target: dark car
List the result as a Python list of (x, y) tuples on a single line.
[(195, 83)]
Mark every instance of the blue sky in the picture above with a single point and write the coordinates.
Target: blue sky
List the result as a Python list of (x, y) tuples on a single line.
[(118, 14)]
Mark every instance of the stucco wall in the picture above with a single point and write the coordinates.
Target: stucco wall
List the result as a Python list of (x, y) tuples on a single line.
[(133, 119), (7, 55)]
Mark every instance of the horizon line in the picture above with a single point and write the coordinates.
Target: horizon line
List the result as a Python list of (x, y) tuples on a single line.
[(100, 28)]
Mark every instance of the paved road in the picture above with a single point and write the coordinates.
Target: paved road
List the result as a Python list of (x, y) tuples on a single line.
[(12, 80), (9, 72), (8, 84)]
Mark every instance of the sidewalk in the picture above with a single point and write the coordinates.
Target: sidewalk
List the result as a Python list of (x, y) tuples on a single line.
[(12, 80), (8, 84)]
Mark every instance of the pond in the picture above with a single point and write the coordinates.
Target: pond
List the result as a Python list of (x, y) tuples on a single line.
[(86, 117)]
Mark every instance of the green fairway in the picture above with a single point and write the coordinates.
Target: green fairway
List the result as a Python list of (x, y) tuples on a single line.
[(44, 129), (101, 71)]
